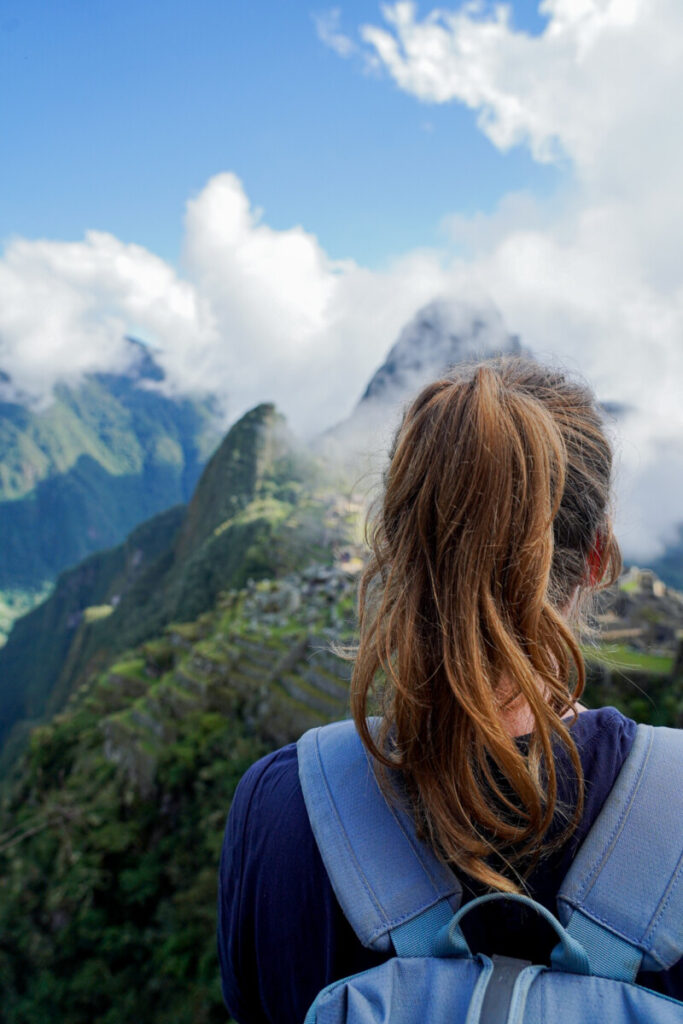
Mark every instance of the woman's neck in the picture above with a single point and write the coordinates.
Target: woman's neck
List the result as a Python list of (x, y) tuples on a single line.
[(517, 718)]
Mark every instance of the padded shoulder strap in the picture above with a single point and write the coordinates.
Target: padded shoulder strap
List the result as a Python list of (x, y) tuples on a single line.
[(391, 887), (623, 896)]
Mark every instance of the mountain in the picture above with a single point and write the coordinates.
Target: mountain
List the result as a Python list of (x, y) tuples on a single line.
[(78, 475), (34, 663), (110, 833), (440, 335), (255, 513)]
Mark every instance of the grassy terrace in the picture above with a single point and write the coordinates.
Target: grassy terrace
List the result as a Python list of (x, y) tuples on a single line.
[(618, 656), (630, 587), (132, 668)]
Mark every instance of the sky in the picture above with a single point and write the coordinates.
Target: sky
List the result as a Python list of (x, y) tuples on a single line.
[(115, 112), (266, 192)]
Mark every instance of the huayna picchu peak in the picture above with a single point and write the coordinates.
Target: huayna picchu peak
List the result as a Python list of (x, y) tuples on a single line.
[(255, 511)]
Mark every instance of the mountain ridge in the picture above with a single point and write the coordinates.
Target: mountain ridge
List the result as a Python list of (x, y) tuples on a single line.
[(78, 475)]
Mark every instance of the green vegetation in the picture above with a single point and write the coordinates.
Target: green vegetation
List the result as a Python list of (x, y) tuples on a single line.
[(107, 895), (37, 662), (643, 686), (111, 826), (96, 612), (112, 821), (629, 586), (79, 475), (619, 657), (256, 513)]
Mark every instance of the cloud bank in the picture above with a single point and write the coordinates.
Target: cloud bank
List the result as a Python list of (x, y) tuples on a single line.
[(590, 278), (256, 315)]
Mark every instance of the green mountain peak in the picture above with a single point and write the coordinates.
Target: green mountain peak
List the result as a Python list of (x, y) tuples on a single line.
[(254, 514), (253, 457)]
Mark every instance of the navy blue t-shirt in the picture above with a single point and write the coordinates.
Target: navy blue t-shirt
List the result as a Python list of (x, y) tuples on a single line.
[(282, 935)]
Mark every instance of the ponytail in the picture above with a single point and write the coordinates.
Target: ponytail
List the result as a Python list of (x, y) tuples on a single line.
[(495, 496)]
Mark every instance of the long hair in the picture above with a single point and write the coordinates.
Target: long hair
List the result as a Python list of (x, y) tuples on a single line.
[(495, 504)]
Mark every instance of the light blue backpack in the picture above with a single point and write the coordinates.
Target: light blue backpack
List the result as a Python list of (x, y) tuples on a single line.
[(620, 907)]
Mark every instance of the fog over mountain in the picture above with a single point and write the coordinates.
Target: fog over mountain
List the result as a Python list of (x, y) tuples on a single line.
[(441, 334)]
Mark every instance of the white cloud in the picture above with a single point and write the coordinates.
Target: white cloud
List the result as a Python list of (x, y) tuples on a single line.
[(65, 307), (583, 297), (327, 26), (257, 315), (294, 326), (561, 92)]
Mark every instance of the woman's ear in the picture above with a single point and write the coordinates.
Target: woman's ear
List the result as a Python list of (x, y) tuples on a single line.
[(596, 561)]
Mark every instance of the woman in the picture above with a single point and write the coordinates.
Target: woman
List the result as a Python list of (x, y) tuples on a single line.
[(493, 528)]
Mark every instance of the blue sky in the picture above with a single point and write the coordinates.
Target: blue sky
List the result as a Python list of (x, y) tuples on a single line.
[(114, 112)]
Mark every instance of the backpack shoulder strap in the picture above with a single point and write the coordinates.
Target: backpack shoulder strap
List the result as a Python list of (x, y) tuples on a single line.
[(623, 895), (393, 889)]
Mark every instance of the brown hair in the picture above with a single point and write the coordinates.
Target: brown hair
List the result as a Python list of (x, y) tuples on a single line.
[(496, 494)]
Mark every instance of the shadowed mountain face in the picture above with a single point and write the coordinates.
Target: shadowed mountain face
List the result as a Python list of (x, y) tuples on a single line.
[(79, 475), (44, 644)]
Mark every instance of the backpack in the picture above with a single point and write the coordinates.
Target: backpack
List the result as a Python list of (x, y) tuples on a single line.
[(620, 907)]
